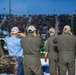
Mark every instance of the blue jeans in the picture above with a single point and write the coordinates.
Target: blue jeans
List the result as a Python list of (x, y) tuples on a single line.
[(20, 70)]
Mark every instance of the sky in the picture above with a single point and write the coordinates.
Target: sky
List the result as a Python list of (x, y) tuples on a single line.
[(21, 7)]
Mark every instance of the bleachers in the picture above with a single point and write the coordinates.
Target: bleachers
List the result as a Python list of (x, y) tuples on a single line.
[(41, 22), (64, 19)]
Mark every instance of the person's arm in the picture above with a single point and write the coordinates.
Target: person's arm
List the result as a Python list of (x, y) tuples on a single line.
[(75, 47), (55, 40), (46, 50), (21, 35), (46, 54), (68, 32)]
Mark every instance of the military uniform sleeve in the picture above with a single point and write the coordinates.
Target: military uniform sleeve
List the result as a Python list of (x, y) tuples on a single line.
[(41, 43), (55, 40), (75, 46)]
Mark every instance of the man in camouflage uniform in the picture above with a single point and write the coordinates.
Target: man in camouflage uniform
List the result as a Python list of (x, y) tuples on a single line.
[(52, 52), (66, 46), (31, 45)]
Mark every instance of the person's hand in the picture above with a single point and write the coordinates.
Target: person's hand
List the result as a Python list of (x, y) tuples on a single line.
[(21, 34), (70, 33), (45, 59), (15, 72)]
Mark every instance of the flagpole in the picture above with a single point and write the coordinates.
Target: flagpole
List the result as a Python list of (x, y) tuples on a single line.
[(9, 7), (72, 25)]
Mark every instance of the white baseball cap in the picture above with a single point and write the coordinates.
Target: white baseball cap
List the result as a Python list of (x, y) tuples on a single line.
[(67, 27), (15, 30), (31, 29)]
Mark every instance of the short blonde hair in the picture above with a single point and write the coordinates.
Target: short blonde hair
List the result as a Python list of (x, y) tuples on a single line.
[(51, 30)]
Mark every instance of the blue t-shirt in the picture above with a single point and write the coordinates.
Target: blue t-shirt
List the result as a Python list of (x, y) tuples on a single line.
[(14, 46)]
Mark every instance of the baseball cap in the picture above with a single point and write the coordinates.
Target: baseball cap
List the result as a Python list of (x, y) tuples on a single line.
[(52, 30), (15, 30), (31, 29), (67, 27)]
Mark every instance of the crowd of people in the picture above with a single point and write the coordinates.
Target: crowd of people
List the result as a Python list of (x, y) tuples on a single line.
[(41, 22), (26, 47), (66, 19), (74, 24), (60, 51)]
